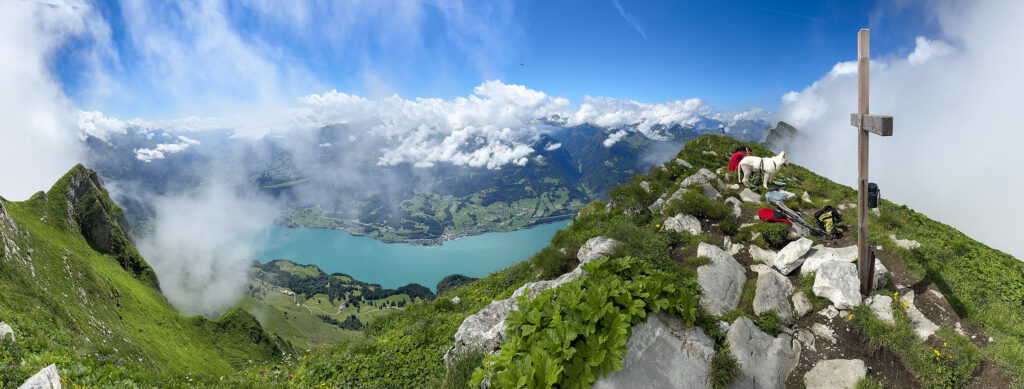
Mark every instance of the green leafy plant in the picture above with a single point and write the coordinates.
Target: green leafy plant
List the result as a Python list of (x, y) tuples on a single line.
[(565, 337), (769, 322)]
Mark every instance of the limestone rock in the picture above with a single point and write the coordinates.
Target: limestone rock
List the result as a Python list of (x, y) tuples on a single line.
[(683, 163), (456, 300), (762, 361), (736, 210), (772, 294), (792, 256), (485, 330), (646, 186), (905, 243), (923, 327), (596, 247), (663, 353), (806, 339), (678, 194), (830, 312), (820, 254), (5, 330), (838, 282), (806, 197), (657, 205), (730, 247), (824, 332), (703, 176), (801, 305), (760, 267), (734, 186), (710, 191), (721, 280), (763, 255), (881, 306), (681, 223), (835, 374), (750, 196), (881, 277), (47, 378)]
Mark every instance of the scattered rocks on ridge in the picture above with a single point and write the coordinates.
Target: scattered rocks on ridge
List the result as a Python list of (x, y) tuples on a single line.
[(485, 330), (801, 305), (835, 374), (881, 306), (663, 353), (658, 204), (763, 361), (721, 280), (47, 378), (838, 282), (5, 330), (760, 254), (646, 186), (905, 243), (772, 294), (923, 327), (683, 163), (819, 254), (710, 191), (456, 300), (806, 197), (682, 222), (736, 210), (750, 196), (824, 332), (703, 176), (792, 256), (730, 247)]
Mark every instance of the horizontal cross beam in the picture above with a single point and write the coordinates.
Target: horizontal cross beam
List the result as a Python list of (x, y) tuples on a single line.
[(875, 124)]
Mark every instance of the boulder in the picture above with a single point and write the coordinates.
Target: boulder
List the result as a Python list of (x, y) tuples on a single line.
[(734, 186), (646, 186), (721, 280), (820, 254), (456, 300), (485, 330), (763, 255), (683, 163), (703, 176), (750, 196), (881, 306), (732, 248), (838, 282), (663, 353), (710, 191), (905, 243), (596, 247), (881, 277), (772, 294), (762, 361), (678, 194), (806, 197), (792, 256), (835, 374), (681, 223), (801, 305), (47, 378), (657, 205), (736, 210), (923, 327), (5, 330), (806, 339)]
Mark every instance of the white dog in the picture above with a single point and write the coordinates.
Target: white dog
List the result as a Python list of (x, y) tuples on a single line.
[(767, 166)]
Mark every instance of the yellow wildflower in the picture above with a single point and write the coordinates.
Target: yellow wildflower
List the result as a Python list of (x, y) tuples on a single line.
[(937, 353), (943, 344), (850, 318)]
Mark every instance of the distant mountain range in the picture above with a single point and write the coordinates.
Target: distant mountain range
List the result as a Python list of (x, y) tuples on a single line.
[(322, 178)]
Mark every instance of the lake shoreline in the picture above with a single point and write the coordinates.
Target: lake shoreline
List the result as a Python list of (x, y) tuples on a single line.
[(444, 238)]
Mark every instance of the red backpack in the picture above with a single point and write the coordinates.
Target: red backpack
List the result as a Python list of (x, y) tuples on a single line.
[(772, 216)]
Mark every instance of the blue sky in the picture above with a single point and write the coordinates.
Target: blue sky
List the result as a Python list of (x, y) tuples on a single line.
[(733, 54)]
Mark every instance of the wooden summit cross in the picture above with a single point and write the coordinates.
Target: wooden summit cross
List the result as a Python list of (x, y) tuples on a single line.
[(876, 124)]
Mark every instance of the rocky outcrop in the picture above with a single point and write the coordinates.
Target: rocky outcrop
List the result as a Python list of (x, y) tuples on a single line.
[(721, 280), (838, 282), (663, 353), (485, 330), (905, 243), (762, 361), (683, 223), (657, 205), (772, 294), (47, 378), (820, 254), (710, 191), (762, 255), (703, 176), (835, 374), (792, 256), (6, 330), (750, 196), (736, 210)]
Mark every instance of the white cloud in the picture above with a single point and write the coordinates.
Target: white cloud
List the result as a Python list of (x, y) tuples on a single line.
[(161, 150), (614, 138), (552, 146), (956, 108)]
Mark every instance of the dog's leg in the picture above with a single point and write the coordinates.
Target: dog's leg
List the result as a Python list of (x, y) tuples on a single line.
[(766, 175)]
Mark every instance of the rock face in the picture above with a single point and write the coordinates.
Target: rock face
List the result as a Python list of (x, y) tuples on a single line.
[(835, 374), (663, 353), (760, 254), (801, 305), (763, 361), (681, 223), (772, 294), (736, 210), (792, 256), (710, 191), (721, 280), (657, 205), (47, 378), (838, 282), (703, 176), (819, 254), (881, 306), (750, 196), (6, 330), (485, 330)]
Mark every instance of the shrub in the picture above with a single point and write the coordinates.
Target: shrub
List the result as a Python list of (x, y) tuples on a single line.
[(696, 204), (775, 235), (868, 383), (769, 322), (728, 226), (631, 196), (461, 372), (723, 368)]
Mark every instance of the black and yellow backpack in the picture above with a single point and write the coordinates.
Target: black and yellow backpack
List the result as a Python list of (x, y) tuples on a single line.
[(828, 220)]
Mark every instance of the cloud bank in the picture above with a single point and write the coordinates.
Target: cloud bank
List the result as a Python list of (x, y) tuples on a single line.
[(955, 102)]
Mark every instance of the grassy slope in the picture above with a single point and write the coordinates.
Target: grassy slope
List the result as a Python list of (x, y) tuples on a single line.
[(82, 305)]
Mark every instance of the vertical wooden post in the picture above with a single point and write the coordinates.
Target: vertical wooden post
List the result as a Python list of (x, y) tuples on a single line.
[(865, 261)]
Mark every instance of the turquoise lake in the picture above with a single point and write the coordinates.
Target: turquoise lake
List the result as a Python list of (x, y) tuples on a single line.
[(396, 264)]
